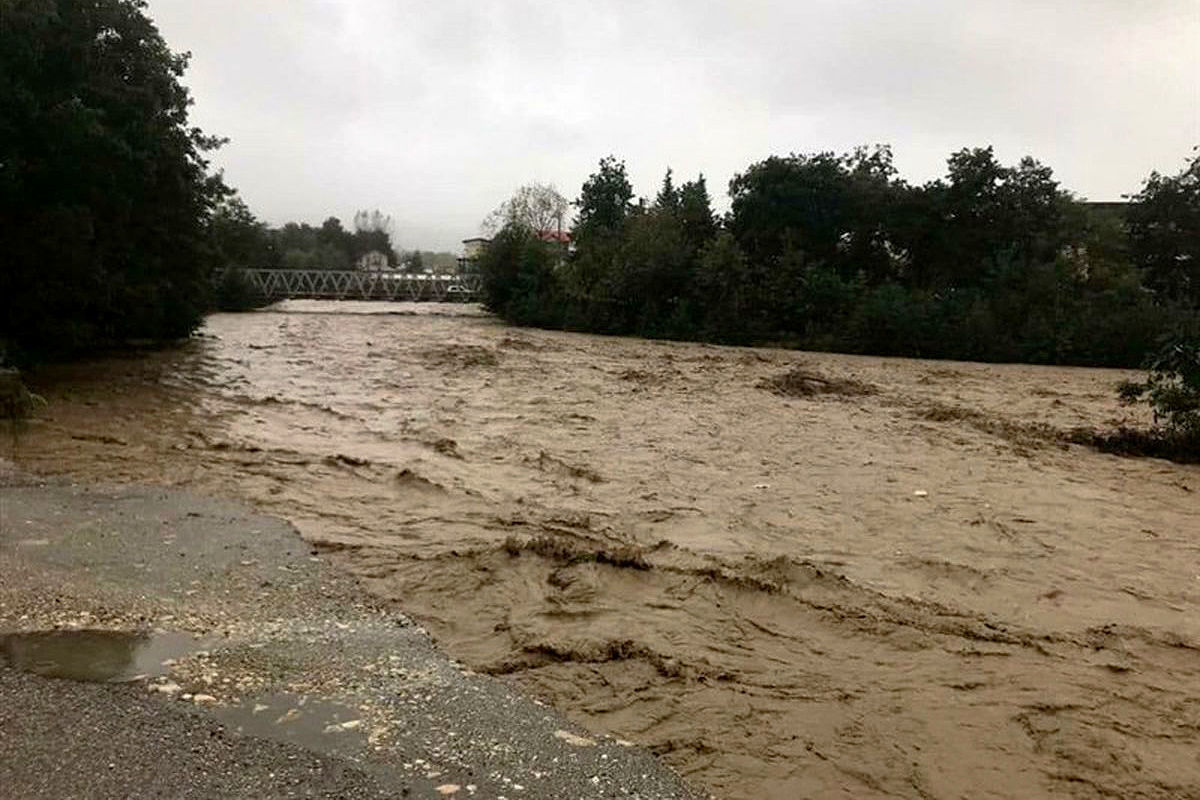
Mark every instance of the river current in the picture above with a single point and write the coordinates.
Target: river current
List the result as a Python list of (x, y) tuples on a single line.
[(900, 588)]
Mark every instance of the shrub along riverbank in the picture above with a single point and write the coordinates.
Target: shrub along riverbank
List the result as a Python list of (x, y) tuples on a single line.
[(991, 263)]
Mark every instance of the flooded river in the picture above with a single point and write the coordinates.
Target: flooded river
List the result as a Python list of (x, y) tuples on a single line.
[(906, 588)]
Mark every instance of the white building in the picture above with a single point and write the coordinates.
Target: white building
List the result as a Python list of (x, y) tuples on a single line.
[(374, 261)]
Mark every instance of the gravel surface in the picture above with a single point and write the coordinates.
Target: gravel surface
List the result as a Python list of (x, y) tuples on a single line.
[(294, 683)]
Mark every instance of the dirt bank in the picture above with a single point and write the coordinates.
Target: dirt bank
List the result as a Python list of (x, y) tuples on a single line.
[(875, 577)]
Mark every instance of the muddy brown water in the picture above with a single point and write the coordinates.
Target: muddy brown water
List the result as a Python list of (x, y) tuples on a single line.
[(906, 591)]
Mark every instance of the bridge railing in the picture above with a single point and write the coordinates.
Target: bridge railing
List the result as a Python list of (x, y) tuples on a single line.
[(323, 284)]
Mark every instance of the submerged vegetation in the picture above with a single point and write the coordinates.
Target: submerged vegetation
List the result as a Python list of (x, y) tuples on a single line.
[(1173, 392)]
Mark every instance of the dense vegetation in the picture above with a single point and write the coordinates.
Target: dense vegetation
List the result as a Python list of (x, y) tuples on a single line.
[(825, 251), (241, 240), (238, 240), (105, 193), (112, 225)]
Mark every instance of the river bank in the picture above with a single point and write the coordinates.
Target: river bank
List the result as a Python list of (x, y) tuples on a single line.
[(906, 587), (220, 658)]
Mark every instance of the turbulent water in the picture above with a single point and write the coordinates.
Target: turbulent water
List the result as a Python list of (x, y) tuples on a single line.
[(885, 579)]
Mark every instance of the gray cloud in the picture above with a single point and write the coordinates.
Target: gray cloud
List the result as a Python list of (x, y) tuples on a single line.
[(435, 112)]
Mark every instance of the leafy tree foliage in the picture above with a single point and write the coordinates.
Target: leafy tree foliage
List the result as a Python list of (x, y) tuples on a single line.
[(605, 201), (237, 238), (993, 262), (331, 246), (519, 278), (1164, 233), (536, 206), (982, 212), (1173, 386), (105, 194)]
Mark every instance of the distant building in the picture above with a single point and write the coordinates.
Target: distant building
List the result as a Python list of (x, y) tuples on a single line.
[(374, 261), (473, 248), (561, 237), (1115, 207)]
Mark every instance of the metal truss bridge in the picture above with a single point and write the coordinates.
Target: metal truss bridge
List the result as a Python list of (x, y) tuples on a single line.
[(325, 284)]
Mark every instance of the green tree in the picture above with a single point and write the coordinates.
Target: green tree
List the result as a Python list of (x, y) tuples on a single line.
[(1164, 233), (104, 188), (981, 213), (605, 201), (652, 272), (604, 206), (536, 206), (696, 214), (668, 195), (373, 232), (1173, 387), (732, 290), (787, 203), (237, 238), (519, 278), (837, 210), (237, 241)]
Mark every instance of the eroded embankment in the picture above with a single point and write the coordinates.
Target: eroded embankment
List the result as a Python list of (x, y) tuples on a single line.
[(789, 574)]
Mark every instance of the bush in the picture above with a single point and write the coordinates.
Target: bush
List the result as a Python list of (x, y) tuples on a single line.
[(1173, 387), (520, 278), (235, 291)]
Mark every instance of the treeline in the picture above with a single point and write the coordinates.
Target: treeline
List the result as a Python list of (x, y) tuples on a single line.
[(105, 189), (239, 240), (836, 252), (112, 222)]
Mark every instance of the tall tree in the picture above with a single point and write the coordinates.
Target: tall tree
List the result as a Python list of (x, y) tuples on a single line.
[(696, 214), (668, 195), (797, 202), (604, 206), (373, 233), (104, 187), (1164, 231), (535, 206), (605, 200), (237, 238)]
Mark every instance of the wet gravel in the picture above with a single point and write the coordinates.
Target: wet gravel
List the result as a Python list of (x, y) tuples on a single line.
[(334, 695), (66, 739)]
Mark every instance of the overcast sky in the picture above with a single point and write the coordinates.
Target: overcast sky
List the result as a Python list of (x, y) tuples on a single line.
[(435, 111)]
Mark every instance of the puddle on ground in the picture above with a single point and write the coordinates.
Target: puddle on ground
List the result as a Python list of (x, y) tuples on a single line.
[(320, 725), (95, 655)]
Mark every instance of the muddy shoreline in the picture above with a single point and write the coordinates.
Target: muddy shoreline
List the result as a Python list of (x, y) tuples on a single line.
[(903, 590)]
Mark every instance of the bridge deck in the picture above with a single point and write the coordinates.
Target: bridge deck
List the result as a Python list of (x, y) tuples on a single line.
[(324, 284)]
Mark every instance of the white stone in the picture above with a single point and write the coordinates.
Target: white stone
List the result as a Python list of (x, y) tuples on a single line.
[(573, 739)]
